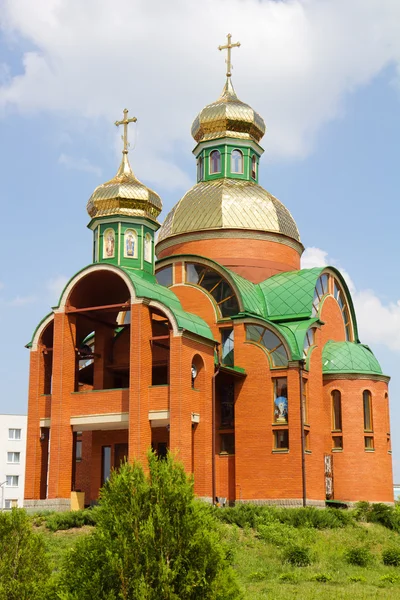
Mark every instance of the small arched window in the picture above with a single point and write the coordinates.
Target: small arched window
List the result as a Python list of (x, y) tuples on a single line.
[(367, 406), (236, 161), (148, 253), (336, 411), (200, 169), (216, 285), (254, 166), (215, 162)]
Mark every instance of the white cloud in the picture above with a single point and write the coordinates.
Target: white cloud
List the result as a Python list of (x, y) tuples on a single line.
[(298, 61), (78, 164), (378, 322), (55, 286)]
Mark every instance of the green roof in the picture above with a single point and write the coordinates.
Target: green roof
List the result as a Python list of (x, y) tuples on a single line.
[(146, 286), (349, 357), (290, 295)]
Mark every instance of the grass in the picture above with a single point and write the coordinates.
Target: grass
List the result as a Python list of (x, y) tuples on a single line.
[(260, 550)]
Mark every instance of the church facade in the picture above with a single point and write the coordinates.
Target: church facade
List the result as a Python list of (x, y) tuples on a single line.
[(223, 350)]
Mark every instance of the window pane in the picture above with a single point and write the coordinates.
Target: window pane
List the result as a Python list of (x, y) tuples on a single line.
[(280, 400), (215, 162), (369, 443), (337, 442), (336, 411), (367, 411), (164, 276), (200, 172), (194, 272), (227, 347), (254, 333), (227, 417), (281, 439), (254, 167), (270, 340), (227, 442), (78, 450), (106, 463), (236, 162), (279, 357)]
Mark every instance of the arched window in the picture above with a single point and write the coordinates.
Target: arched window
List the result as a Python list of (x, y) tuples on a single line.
[(336, 411), (215, 162), (367, 406), (236, 161), (270, 341), (328, 284), (216, 285), (200, 169), (148, 251), (254, 166)]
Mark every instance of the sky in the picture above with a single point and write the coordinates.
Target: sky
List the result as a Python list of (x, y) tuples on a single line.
[(324, 74)]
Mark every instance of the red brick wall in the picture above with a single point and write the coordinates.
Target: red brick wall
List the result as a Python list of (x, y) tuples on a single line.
[(254, 259)]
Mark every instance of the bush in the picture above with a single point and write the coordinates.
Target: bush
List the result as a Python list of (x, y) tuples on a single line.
[(321, 577), (281, 534), (24, 566), (378, 513), (152, 540), (298, 556), (391, 557), (68, 520), (358, 556), (357, 579), (389, 578), (288, 578)]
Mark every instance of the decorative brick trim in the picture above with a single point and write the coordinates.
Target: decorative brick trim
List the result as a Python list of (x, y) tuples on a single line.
[(355, 377)]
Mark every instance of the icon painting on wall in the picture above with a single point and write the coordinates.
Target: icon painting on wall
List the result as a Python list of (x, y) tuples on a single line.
[(130, 243), (109, 243)]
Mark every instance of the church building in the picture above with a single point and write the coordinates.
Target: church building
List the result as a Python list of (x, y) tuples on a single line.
[(204, 337)]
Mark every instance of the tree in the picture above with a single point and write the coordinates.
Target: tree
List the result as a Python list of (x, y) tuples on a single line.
[(153, 541), (24, 566)]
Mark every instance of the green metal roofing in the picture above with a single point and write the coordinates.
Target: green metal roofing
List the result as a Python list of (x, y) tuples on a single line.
[(290, 295), (146, 286), (349, 357), (252, 297)]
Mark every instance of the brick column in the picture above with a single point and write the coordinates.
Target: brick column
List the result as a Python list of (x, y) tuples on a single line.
[(60, 471), (180, 434), (33, 447), (139, 382)]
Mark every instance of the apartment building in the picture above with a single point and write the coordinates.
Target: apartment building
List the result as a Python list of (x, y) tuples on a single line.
[(12, 460)]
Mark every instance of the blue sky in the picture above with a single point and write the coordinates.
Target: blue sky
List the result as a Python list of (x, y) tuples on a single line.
[(324, 75)]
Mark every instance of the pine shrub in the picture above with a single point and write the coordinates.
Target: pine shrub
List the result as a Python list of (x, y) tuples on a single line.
[(359, 556), (391, 557), (298, 556), (24, 566), (152, 540)]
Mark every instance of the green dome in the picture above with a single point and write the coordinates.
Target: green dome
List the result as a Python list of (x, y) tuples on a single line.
[(349, 357)]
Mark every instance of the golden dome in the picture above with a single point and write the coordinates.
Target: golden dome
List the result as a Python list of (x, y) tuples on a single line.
[(228, 204), (228, 117), (124, 195)]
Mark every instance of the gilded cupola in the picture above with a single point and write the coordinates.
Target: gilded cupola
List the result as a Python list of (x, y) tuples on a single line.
[(124, 194), (228, 117)]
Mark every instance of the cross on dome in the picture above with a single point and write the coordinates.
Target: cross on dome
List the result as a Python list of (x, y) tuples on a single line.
[(228, 47), (125, 122)]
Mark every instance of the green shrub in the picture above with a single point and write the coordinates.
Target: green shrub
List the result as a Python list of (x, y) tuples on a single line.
[(357, 579), (389, 578), (258, 575), (391, 557), (288, 578), (316, 518), (361, 511), (281, 534), (152, 540), (68, 520), (24, 566), (298, 556), (358, 556), (321, 577), (378, 513)]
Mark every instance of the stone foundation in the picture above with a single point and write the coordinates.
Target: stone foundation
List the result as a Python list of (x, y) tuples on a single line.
[(53, 504)]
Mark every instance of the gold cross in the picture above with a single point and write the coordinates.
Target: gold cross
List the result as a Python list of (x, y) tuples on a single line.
[(228, 47), (125, 122)]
